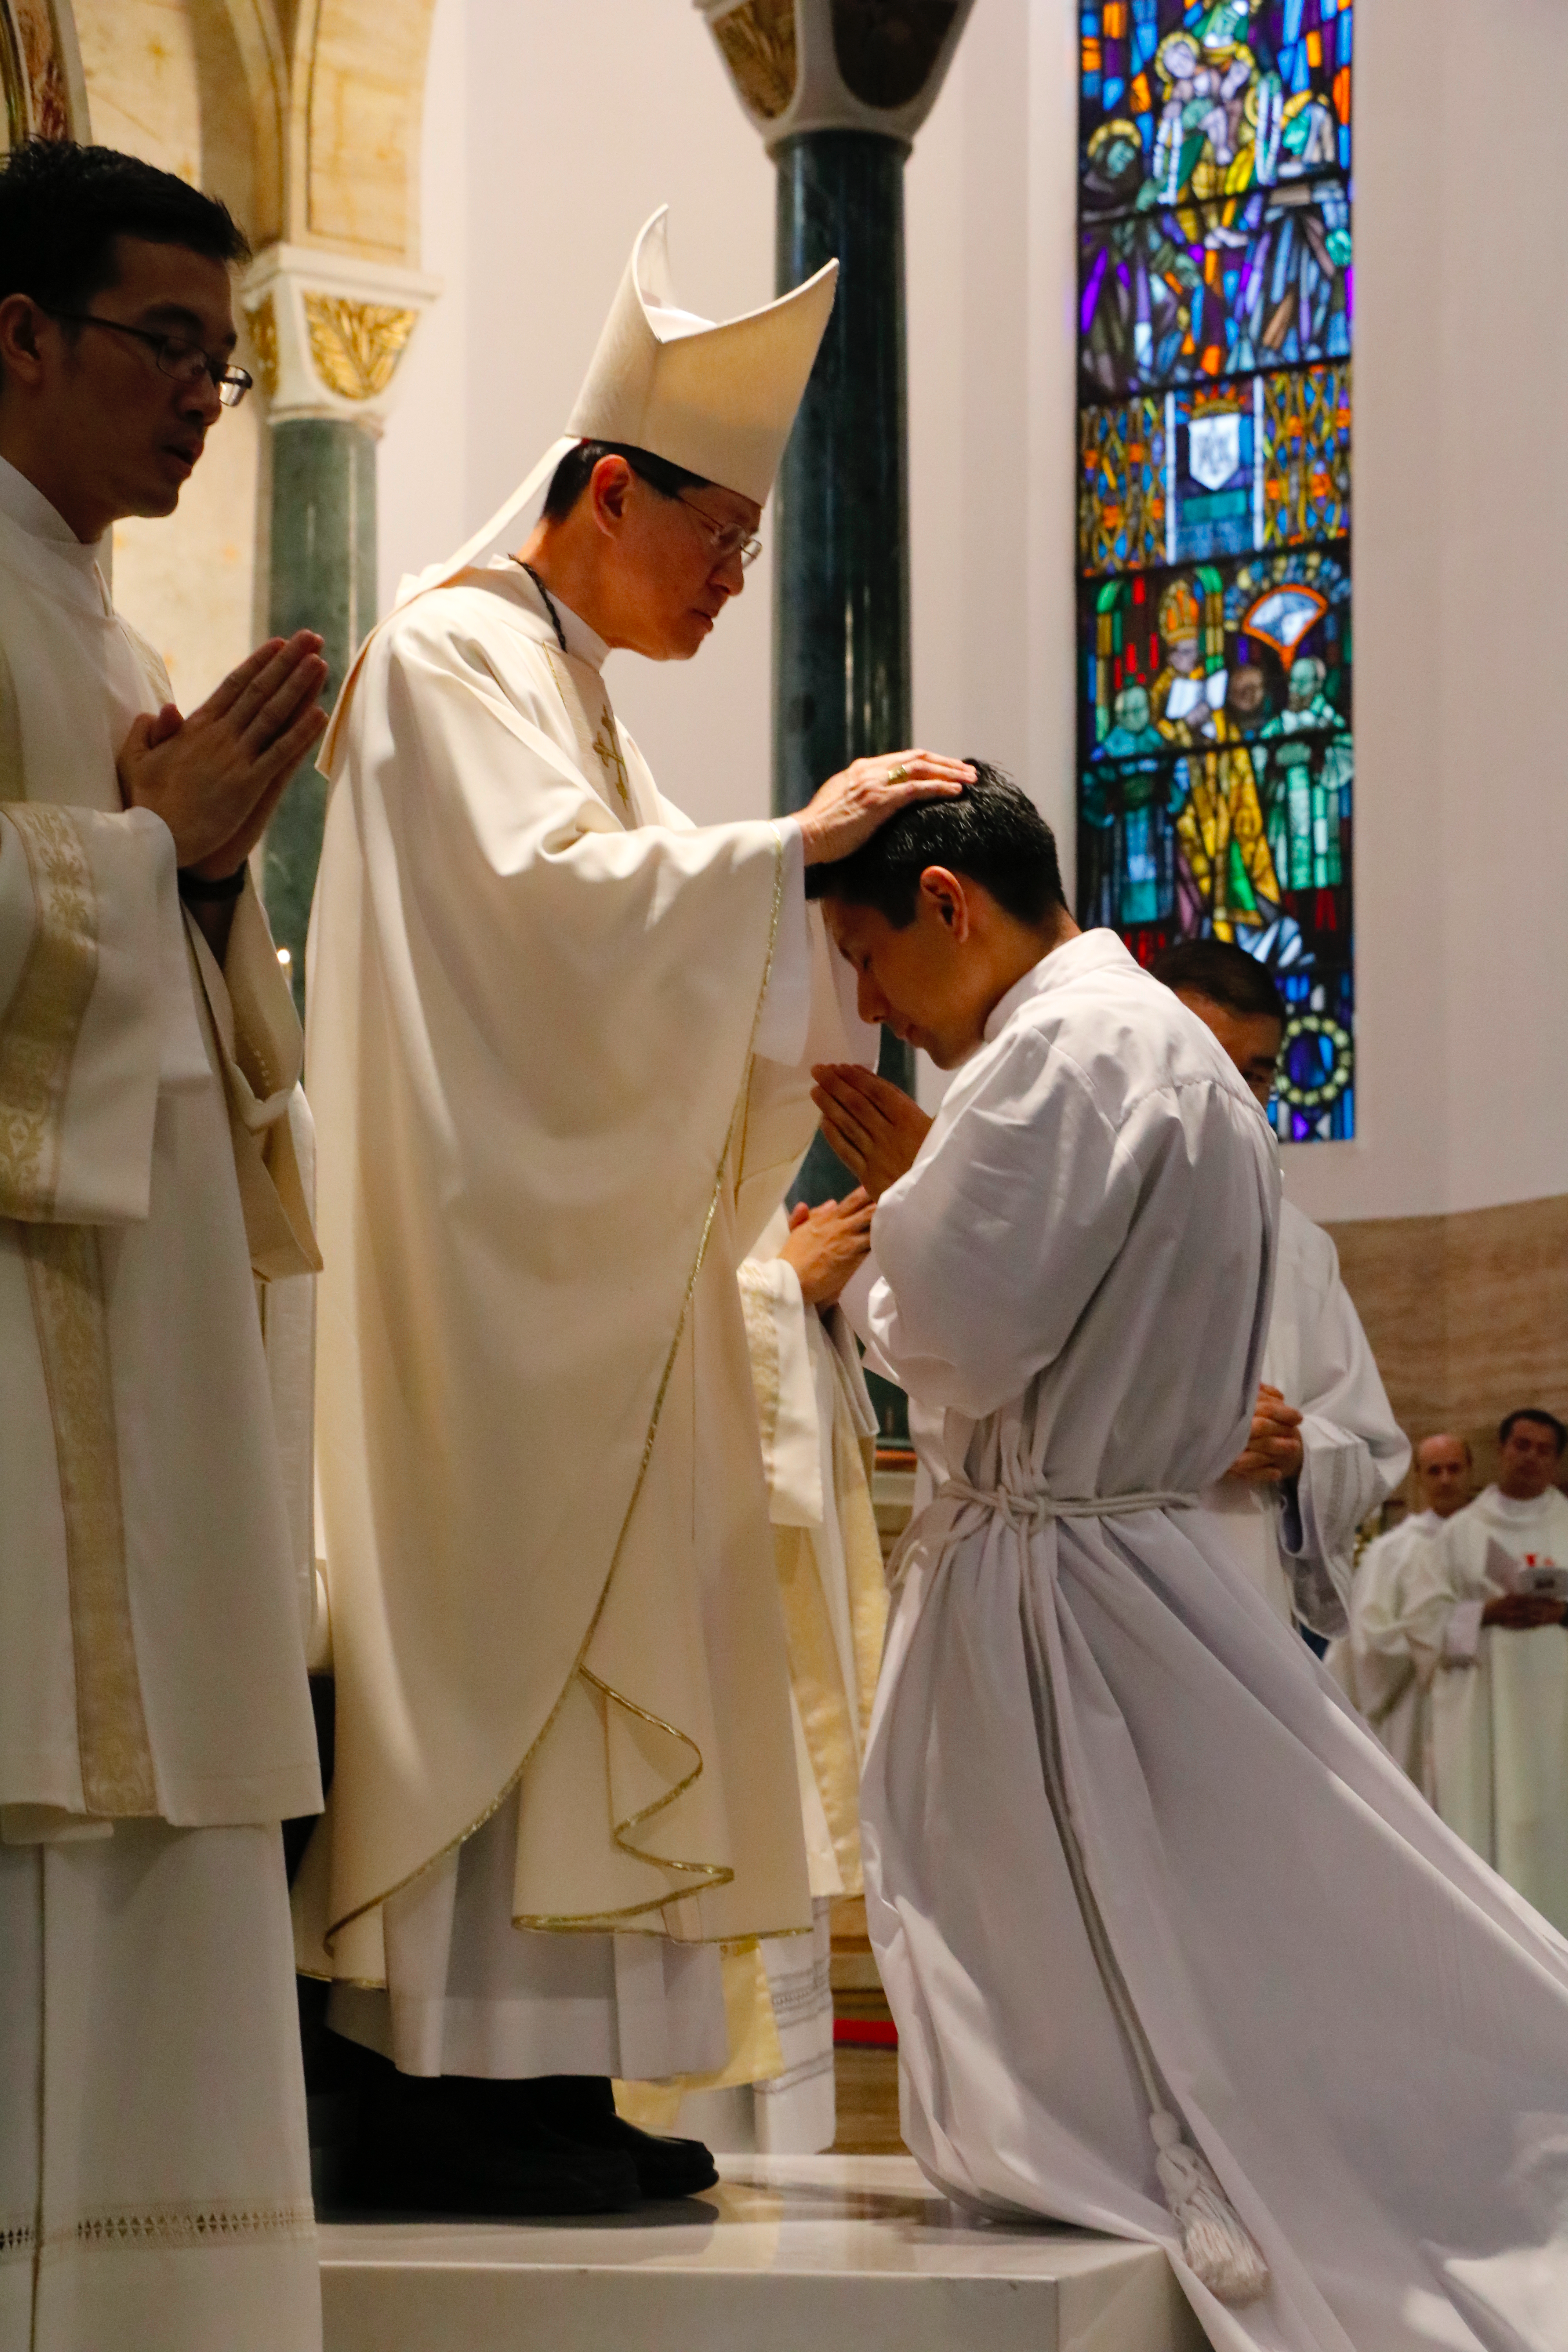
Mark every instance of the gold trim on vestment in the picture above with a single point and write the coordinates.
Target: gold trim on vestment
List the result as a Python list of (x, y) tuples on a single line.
[(603, 746), (588, 1924), (65, 1281), (65, 1275), (43, 1021), (710, 1874)]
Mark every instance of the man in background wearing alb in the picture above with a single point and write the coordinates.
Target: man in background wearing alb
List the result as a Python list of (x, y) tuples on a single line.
[(1486, 1619), (154, 1721), (1324, 1448), (1373, 1664)]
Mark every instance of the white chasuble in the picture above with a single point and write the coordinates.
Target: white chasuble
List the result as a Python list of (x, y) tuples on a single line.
[(154, 2185), (1498, 1695), (1298, 1541), (548, 1136), (1118, 1822)]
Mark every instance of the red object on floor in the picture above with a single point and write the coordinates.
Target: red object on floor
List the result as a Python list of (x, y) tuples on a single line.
[(866, 2032)]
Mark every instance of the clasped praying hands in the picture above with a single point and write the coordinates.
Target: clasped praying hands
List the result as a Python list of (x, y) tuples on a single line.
[(1274, 1452), (216, 777), (871, 1124)]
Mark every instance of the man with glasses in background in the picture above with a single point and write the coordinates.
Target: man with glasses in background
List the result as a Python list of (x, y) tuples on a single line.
[(560, 1042), (154, 1720)]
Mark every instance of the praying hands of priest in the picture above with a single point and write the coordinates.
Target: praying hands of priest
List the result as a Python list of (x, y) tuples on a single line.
[(214, 777)]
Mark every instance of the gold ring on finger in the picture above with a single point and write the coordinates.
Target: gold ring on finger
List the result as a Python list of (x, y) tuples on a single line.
[(897, 775)]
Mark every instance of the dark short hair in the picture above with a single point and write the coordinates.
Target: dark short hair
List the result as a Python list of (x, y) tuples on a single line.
[(1223, 973), (991, 833), (1532, 1412), (62, 205), (576, 472)]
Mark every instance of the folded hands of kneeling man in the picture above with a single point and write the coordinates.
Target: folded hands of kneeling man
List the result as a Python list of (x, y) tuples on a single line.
[(874, 1127)]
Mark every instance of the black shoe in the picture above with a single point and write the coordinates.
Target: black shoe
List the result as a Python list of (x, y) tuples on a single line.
[(432, 2145), (581, 2109)]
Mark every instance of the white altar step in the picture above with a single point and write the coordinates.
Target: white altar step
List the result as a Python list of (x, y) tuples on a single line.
[(846, 2253)]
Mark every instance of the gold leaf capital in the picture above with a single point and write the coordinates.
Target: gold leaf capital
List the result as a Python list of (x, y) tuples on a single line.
[(355, 346)]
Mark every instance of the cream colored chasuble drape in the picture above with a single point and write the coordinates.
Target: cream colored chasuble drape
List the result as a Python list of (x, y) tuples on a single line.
[(546, 1144)]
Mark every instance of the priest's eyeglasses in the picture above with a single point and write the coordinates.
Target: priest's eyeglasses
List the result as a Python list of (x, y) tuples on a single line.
[(728, 539), (173, 356)]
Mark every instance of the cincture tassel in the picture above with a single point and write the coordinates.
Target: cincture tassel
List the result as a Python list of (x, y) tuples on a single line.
[(1219, 2247)]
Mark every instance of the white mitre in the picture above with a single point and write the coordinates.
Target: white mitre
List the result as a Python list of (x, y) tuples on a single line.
[(717, 399)]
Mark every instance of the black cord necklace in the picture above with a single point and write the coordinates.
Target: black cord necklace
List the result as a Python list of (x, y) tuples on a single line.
[(549, 601)]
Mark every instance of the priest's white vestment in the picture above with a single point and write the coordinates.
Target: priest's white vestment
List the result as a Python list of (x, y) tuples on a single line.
[(560, 1061), (1299, 1539), (1498, 1695), (818, 1429), (1345, 2007), (1373, 1663), (154, 1719)]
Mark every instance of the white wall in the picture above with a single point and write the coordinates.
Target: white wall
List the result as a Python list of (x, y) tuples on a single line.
[(546, 147), (1461, 519), (553, 131)]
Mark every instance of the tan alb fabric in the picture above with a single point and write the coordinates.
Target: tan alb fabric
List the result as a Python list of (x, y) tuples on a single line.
[(545, 1147), (151, 1658), (818, 1431)]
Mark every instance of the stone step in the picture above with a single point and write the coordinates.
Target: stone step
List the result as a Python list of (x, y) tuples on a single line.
[(788, 2254)]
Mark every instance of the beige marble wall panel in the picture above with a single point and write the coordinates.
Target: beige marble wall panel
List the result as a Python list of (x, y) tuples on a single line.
[(1467, 1315), (367, 85), (164, 82)]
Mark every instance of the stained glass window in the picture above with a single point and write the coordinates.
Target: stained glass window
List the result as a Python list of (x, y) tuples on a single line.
[(1215, 653)]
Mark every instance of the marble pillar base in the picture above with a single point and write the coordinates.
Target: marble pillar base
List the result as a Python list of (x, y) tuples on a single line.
[(837, 2253)]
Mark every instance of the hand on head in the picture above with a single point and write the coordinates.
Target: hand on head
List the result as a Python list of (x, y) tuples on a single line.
[(216, 777), (826, 1244), (1273, 1452), (872, 1125), (850, 806)]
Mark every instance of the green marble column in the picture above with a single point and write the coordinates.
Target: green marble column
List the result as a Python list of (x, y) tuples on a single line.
[(322, 578), (841, 522)]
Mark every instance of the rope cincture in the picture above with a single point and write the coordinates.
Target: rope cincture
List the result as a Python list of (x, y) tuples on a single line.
[(1216, 2244)]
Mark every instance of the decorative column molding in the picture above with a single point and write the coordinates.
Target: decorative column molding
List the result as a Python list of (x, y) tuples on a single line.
[(328, 332), (800, 66)]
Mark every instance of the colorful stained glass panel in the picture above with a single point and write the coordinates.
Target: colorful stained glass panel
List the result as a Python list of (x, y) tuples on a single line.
[(1215, 470), (1216, 95), (1170, 297), (1216, 294)]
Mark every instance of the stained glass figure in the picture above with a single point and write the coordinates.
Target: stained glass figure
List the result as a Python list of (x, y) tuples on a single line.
[(1216, 299)]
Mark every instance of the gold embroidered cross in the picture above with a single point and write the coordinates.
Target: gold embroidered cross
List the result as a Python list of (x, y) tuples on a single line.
[(607, 750)]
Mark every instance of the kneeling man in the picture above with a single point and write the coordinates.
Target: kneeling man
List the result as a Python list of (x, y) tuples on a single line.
[(1152, 1906)]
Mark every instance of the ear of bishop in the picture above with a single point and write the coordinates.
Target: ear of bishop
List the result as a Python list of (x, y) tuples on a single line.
[(717, 398)]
